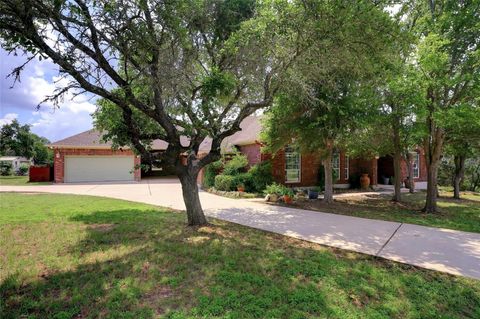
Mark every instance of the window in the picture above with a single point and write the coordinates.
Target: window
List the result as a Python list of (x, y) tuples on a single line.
[(336, 166), (346, 169), (292, 165), (416, 165)]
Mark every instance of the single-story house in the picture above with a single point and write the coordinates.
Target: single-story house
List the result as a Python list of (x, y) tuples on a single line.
[(16, 161), (85, 158)]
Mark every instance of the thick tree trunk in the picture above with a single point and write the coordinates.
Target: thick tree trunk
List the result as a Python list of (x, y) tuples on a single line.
[(195, 215), (459, 174), (432, 192), (397, 161), (411, 183), (327, 165)]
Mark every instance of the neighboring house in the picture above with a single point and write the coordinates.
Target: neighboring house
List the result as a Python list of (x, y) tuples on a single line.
[(16, 161), (84, 158)]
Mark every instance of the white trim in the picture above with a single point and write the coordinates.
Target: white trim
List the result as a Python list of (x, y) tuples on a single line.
[(299, 168), (417, 160), (346, 168)]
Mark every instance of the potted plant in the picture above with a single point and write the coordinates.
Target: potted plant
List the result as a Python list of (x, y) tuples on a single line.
[(364, 181), (273, 191), (313, 192), (288, 195), (385, 180)]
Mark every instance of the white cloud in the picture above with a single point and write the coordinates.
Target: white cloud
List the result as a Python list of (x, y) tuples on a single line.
[(8, 118)]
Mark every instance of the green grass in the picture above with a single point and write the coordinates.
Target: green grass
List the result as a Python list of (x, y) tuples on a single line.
[(463, 214), (66, 256), (19, 181)]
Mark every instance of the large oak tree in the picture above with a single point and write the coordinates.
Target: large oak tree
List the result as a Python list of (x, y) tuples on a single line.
[(192, 68)]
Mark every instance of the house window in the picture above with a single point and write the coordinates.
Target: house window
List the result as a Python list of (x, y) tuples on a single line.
[(346, 169), (292, 165), (416, 165), (336, 166)]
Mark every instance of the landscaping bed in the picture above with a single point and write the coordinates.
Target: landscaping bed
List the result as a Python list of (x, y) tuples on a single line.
[(66, 256), (463, 214)]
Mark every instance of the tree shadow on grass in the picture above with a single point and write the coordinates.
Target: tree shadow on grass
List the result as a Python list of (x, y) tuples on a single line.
[(144, 264)]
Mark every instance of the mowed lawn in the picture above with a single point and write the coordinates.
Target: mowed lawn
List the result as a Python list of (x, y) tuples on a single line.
[(463, 214), (66, 256), (19, 181)]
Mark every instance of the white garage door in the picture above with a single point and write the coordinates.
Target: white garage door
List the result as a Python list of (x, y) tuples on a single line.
[(98, 168)]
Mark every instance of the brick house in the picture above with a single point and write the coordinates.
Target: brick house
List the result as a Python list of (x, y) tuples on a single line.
[(85, 158), (301, 170)]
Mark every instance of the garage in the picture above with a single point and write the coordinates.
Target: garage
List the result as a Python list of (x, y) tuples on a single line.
[(99, 168)]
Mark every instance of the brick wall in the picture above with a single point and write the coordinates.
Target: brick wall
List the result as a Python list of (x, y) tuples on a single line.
[(59, 159), (423, 168)]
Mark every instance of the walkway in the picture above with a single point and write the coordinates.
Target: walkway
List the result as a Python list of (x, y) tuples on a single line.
[(439, 249)]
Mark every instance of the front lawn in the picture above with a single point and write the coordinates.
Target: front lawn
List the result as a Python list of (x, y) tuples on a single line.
[(19, 181), (463, 214), (66, 256)]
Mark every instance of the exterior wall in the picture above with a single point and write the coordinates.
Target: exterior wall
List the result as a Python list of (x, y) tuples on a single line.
[(60, 153), (253, 153), (423, 168), (310, 164)]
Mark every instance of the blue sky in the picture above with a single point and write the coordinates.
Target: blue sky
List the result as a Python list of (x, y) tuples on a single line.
[(37, 81)]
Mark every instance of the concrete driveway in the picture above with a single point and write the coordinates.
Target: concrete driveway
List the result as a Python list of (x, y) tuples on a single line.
[(450, 251)]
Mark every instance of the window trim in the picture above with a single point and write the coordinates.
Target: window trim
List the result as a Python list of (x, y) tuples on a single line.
[(299, 169), (346, 168), (416, 161), (339, 168)]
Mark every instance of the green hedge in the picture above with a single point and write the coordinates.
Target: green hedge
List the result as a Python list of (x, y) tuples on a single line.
[(211, 170), (225, 182)]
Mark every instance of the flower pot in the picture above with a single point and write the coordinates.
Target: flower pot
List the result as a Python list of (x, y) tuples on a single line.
[(312, 194), (364, 181), (273, 197), (241, 189), (287, 199), (385, 180)]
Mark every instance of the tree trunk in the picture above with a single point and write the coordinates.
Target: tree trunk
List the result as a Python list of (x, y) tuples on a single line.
[(327, 165), (411, 183), (195, 215), (459, 174), (397, 160)]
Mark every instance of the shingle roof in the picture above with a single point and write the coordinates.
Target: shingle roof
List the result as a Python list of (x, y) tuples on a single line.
[(249, 134)]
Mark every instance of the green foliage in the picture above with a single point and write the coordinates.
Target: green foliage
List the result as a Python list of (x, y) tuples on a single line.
[(211, 170), (23, 170), (277, 189), (260, 176), (236, 165), (225, 182), (6, 168)]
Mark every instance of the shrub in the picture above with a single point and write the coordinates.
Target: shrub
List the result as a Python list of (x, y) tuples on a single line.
[(260, 176), (23, 170), (224, 182), (211, 170), (236, 165), (5, 168)]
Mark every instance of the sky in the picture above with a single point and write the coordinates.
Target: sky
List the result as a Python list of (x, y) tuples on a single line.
[(37, 81)]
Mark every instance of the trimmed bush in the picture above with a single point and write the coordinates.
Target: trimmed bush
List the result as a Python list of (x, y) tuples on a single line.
[(260, 176), (236, 165), (211, 170), (22, 170), (224, 182), (6, 168)]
